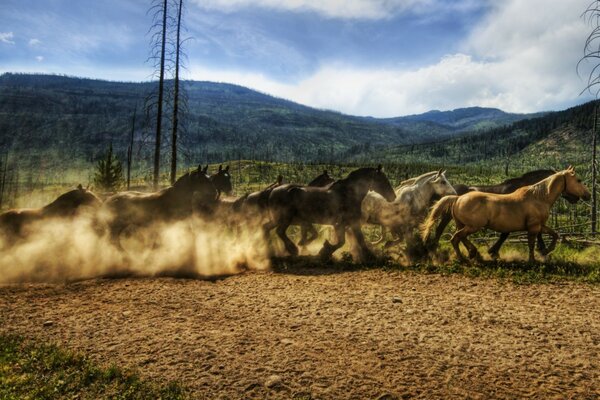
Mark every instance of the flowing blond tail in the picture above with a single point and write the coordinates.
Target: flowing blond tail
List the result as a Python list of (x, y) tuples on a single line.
[(440, 208)]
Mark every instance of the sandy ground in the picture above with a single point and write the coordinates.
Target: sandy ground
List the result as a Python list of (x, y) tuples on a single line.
[(314, 333)]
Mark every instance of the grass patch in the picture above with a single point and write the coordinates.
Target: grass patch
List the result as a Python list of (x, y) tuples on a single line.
[(565, 264), (40, 371)]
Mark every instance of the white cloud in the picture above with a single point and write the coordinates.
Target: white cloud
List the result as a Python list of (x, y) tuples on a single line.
[(34, 42), (6, 37), (354, 9), (521, 58), (39, 58)]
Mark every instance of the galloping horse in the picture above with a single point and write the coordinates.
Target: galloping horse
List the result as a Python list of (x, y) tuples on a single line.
[(337, 204), (526, 209), (308, 233), (13, 223), (506, 187), (191, 192), (410, 207)]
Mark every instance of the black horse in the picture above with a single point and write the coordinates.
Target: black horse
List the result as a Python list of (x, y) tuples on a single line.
[(192, 192), (308, 233), (14, 223), (506, 187), (338, 204), (222, 180)]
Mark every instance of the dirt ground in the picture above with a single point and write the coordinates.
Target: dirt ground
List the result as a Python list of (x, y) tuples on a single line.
[(317, 333)]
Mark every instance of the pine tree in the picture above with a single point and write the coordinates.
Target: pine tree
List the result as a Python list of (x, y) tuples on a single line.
[(109, 172)]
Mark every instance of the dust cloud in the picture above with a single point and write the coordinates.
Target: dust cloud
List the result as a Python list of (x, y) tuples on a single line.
[(63, 250)]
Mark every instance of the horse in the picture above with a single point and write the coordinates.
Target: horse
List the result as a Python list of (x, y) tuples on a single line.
[(192, 192), (221, 180), (305, 229), (506, 187), (337, 204), (525, 209), (407, 211), (13, 223)]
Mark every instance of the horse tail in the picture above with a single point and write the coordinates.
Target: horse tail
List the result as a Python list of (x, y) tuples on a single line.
[(440, 208)]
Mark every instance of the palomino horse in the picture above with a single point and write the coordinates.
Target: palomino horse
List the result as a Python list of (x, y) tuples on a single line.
[(526, 209), (506, 187), (13, 223), (410, 207), (192, 192), (337, 204)]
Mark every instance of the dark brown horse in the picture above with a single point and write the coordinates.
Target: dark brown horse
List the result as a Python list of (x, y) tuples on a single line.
[(222, 180), (13, 223), (338, 204), (308, 233), (506, 187), (192, 192)]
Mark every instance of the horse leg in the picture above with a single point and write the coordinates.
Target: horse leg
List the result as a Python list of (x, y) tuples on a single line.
[(460, 236), (365, 252), (473, 252), (554, 236), (494, 251), (289, 245), (531, 236), (456, 239), (328, 249), (541, 246), (308, 234), (382, 236), (439, 231)]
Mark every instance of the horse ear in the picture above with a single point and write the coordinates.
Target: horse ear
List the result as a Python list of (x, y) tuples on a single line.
[(80, 187), (200, 168), (439, 173), (220, 167), (324, 172), (227, 168), (379, 168), (279, 179)]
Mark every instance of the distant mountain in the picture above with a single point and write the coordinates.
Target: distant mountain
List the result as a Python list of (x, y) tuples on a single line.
[(552, 139), (463, 119)]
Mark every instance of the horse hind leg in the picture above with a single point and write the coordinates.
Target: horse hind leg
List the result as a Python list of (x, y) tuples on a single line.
[(328, 249), (461, 236), (291, 248), (494, 251), (553, 234), (541, 246)]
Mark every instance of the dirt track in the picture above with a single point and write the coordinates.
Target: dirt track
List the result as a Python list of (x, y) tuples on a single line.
[(360, 335)]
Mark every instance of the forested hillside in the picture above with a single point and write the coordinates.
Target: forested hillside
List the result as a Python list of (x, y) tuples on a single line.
[(552, 139), (53, 128), (65, 118)]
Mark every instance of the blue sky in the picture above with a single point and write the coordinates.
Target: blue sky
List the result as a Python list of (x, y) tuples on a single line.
[(364, 57)]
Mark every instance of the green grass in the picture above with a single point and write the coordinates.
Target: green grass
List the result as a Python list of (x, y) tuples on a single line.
[(41, 371)]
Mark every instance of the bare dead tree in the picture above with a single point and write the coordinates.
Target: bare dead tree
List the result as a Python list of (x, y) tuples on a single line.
[(591, 53), (158, 50), (175, 120), (130, 148)]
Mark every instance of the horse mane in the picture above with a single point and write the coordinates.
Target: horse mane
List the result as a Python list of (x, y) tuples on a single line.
[(541, 190), (418, 179), (529, 175), (356, 174)]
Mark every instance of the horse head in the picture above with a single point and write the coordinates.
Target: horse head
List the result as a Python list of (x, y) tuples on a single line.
[(222, 180), (574, 187), (381, 184), (440, 185), (322, 180)]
